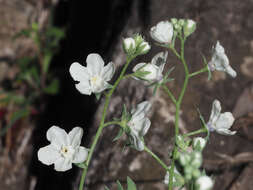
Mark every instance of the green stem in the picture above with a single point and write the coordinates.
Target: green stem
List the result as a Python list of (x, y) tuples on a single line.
[(101, 125), (195, 132), (205, 69), (156, 158), (170, 94), (112, 123), (178, 105)]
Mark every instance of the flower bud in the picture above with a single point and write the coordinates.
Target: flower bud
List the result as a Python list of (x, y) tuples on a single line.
[(204, 183), (199, 143), (145, 47), (129, 45), (189, 27), (196, 159), (184, 159)]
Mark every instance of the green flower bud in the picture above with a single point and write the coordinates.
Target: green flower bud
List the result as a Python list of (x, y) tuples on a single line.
[(189, 27)]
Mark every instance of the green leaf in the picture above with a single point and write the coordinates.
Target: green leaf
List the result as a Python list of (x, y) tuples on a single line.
[(15, 117), (46, 61), (119, 185), (52, 88), (204, 124), (130, 184), (24, 32), (106, 188), (81, 165), (120, 133)]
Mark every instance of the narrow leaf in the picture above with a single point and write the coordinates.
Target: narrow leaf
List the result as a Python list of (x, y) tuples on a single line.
[(130, 184)]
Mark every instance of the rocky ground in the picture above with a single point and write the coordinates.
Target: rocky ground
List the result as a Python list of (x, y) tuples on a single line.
[(227, 159)]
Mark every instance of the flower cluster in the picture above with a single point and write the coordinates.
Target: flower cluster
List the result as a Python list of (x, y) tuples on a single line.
[(135, 46)]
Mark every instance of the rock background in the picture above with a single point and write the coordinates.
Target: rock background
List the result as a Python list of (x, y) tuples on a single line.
[(227, 159)]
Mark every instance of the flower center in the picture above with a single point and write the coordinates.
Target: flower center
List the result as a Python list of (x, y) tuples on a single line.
[(96, 81), (67, 152)]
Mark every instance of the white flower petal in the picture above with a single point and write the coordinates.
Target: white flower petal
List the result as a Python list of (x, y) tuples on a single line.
[(48, 155), (141, 108), (215, 113), (57, 136), (145, 127), (80, 155), (95, 64), (84, 87), (138, 66), (231, 71), (108, 71), (78, 72), (75, 136), (162, 32), (62, 165), (225, 121), (225, 132), (136, 141)]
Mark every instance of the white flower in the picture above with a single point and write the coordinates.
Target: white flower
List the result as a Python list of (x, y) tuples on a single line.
[(220, 122), (64, 149), (139, 125), (94, 77), (155, 68), (204, 183), (220, 61), (162, 32), (129, 44), (199, 143)]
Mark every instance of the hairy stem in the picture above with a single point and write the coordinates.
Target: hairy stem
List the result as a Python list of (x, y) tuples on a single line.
[(156, 158), (178, 105), (169, 94)]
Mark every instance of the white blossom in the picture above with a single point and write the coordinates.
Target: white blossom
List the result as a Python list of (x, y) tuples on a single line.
[(155, 68), (139, 125), (220, 61), (199, 142), (162, 32), (204, 183), (64, 149), (94, 77), (220, 122)]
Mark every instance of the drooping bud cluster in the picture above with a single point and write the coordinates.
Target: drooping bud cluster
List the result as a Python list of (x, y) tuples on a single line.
[(135, 46)]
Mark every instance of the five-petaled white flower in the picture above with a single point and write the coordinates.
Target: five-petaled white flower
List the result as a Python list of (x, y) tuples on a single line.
[(204, 183), (64, 149), (155, 68), (162, 32), (220, 122), (94, 77), (139, 125), (220, 61)]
